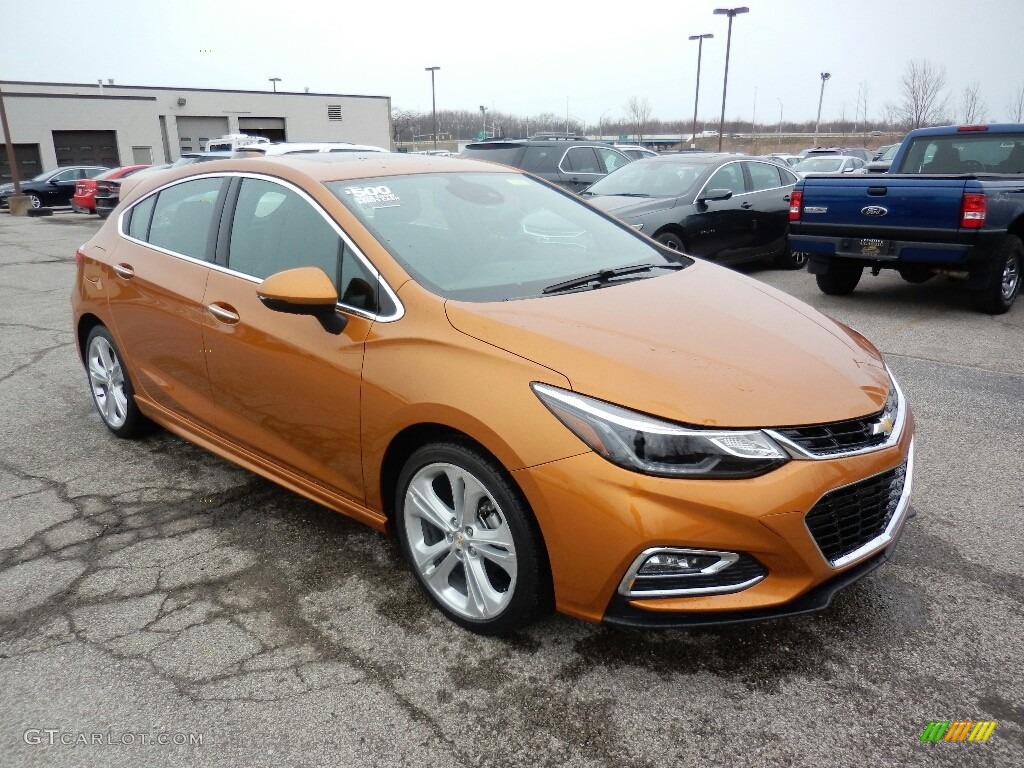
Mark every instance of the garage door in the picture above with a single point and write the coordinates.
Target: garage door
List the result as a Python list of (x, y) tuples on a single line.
[(86, 148), (195, 132), (269, 127), (26, 156)]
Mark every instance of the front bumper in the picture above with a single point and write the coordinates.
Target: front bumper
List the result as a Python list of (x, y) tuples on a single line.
[(594, 536)]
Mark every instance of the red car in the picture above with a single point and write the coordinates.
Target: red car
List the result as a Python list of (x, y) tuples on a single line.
[(84, 200)]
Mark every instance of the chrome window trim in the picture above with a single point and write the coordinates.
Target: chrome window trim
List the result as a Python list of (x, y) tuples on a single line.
[(399, 307), (885, 537), (725, 560), (799, 452)]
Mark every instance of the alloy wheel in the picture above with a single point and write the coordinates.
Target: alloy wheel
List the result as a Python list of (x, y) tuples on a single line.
[(108, 385)]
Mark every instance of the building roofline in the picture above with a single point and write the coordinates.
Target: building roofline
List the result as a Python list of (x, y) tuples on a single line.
[(190, 90)]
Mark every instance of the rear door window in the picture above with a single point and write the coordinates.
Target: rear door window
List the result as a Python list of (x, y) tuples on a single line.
[(763, 176), (612, 159), (581, 160)]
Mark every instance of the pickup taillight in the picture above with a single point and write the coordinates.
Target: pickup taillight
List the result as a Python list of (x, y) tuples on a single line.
[(796, 201), (972, 210)]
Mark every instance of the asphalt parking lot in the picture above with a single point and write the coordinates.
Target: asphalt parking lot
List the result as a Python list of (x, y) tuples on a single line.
[(151, 592)]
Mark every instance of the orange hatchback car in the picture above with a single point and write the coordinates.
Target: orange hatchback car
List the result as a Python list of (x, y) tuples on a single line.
[(544, 406)]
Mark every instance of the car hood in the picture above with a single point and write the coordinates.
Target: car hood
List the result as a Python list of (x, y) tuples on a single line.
[(621, 205), (703, 346)]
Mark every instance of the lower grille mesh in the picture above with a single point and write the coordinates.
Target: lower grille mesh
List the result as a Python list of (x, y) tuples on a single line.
[(847, 518)]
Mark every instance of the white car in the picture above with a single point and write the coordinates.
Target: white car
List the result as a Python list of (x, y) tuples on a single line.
[(305, 148), (812, 166), (635, 151)]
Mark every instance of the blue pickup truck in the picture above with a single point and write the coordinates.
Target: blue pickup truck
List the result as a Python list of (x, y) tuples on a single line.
[(952, 204)]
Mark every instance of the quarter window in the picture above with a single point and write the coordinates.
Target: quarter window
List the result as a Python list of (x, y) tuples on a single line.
[(182, 217), (141, 215), (275, 228), (581, 160)]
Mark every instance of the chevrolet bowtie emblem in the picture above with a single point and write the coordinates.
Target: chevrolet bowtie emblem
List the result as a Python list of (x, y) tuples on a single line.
[(883, 426)]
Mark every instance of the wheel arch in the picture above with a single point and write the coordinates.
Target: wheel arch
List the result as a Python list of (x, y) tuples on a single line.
[(676, 230), (86, 323)]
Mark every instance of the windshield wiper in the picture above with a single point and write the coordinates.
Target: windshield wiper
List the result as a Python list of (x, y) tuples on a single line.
[(618, 194), (605, 276)]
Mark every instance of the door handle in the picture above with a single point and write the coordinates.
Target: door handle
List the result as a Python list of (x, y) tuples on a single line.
[(746, 206), (223, 314), (124, 270), (786, 198)]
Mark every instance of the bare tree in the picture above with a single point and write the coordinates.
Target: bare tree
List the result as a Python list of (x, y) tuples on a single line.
[(638, 112), (401, 122), (1016, 105), (922, 100), (973, 108)]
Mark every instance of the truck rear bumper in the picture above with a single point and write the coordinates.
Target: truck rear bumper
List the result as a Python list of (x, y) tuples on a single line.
[(880, 251)]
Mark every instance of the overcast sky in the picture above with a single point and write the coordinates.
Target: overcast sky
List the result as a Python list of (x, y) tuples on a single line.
[(530, 57)]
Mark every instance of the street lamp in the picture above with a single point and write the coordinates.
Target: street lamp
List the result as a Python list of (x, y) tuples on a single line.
[(600, 125), (700, 50), (274, 81), (433, 99), (824, 78), (732, 13), (778, 144), (483, 114)]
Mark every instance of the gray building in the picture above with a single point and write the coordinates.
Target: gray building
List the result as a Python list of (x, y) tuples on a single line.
[(58, 124)]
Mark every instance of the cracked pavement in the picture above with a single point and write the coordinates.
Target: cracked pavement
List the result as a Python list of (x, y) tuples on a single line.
[(149, 587)]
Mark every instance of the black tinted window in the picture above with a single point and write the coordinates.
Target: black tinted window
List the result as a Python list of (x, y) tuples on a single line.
[(535, 157), (727, 177), (763, 176), (183, 214)]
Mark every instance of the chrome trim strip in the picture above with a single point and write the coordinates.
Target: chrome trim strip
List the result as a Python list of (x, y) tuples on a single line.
[(797, 451), (400, 308), (725, 560), (886, 537)]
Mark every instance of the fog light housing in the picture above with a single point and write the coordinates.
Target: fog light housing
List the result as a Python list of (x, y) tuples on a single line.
[(678, 572)]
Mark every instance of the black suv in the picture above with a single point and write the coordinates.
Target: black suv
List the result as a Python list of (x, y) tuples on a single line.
[(569, 161)]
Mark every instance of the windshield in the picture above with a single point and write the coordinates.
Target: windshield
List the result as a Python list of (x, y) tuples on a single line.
[(822, 164), (651, 178), (492, 236), (890, 153)]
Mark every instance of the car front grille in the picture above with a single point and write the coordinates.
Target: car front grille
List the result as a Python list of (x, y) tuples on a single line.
[(847, 518), (841, 437)]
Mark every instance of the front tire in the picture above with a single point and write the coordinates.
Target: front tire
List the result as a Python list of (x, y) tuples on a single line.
[(470, 538), (1004, 283), (841, 278), (672, 241), (34, 200), (112, 391)]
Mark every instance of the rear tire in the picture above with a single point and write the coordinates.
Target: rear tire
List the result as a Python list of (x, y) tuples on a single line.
[(841, 278), (1004, 281), (790, 259), (112, 391)]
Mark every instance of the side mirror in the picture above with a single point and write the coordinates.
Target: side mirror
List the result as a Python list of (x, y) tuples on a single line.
[(303, 291), (715, 194)]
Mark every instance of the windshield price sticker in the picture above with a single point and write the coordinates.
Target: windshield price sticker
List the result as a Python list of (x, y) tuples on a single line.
[(374, 197)]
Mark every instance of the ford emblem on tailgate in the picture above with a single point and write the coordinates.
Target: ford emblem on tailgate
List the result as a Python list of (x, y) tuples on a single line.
[(874, 210)]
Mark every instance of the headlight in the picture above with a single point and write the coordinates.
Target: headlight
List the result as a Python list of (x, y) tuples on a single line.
[(642, 443)]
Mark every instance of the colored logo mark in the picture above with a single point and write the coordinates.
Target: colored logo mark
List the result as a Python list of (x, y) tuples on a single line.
[(958, 730)]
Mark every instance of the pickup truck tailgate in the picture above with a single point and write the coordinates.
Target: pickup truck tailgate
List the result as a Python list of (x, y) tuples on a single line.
[(930, 202)]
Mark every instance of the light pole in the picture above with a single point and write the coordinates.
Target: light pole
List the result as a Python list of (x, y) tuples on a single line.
[(778, 144), (566, 115), (433, 99), (483, 114), (600, 125), (274, 81), (824, 79), (696, 95), (732, 13)]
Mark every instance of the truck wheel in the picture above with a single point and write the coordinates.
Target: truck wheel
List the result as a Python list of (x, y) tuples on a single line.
[(1004, 284), (790, 259), (841, 278)]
